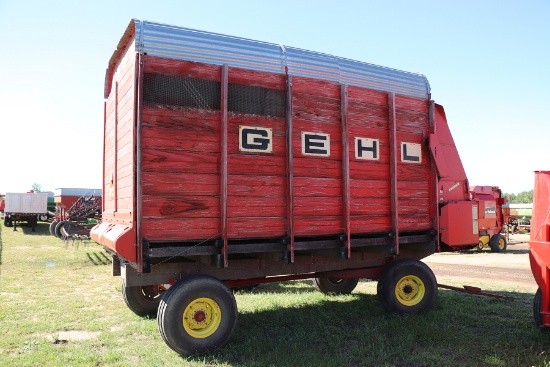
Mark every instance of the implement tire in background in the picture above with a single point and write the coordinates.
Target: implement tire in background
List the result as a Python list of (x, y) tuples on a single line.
[(197, 314), (8, 221), (336, 285), (407, 286), (143, 300), (498, 243), (537, 309), (58, 230), (52, 227)]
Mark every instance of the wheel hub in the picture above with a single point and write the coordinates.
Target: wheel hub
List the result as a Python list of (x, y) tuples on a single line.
[(410, 290), (202, 317)]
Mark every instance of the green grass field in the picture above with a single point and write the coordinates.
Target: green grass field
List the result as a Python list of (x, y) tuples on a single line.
[(60, 306)]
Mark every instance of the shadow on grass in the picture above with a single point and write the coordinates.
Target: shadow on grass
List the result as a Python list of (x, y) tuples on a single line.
[(99, 258), (354, 330), (41, 229)]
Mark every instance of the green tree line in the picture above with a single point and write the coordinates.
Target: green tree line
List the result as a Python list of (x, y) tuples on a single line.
[(524, 197)]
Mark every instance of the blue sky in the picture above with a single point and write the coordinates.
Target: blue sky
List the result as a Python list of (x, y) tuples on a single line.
[(488, 63)]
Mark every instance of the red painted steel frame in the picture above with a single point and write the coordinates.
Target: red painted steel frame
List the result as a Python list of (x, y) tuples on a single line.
[(539, 252)]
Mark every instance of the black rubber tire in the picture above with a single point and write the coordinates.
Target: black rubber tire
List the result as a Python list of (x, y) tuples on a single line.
[(8, 221), (498, 243), (57, 231), (336, 285), (407, 286), (142, 300), (52, 227), (537, 309), (185, 295)]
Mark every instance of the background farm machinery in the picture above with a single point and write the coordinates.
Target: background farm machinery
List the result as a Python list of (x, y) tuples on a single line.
[(77, 211)]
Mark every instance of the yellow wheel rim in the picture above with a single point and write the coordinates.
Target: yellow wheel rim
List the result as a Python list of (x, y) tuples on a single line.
[(480, 245), (202, 317), (501, 243), (410, 290)]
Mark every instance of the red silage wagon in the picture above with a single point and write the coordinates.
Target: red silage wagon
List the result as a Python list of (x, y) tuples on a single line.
[(230, 162), (539, 252)]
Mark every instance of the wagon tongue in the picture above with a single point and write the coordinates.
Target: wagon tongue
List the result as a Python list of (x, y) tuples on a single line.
[(474, 290)]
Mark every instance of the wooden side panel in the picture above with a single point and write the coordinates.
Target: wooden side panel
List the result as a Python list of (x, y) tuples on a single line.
[(119, 183), (370, 178), (180, 181), (318, 208), (413, 177)]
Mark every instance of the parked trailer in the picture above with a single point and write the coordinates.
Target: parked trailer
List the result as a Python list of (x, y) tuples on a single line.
[(27, 207), (230, 162), (539, 252)]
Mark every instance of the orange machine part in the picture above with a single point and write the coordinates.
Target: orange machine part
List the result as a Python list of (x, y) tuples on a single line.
[(118, 237)]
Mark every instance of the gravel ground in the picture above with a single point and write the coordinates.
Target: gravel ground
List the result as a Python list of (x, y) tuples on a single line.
[(509, 268)]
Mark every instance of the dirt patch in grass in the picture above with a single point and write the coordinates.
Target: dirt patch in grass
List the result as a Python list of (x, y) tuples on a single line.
[(61, 337)]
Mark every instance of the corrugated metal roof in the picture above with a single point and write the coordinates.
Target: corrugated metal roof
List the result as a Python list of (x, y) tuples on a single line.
[(71, 191), (174, 42)]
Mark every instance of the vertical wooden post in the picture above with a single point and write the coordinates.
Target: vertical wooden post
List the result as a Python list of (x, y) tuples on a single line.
[(394, 154), (223, 163), (345, 167), (289, 169)]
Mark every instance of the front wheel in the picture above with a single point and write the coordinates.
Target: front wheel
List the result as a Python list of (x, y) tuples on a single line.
[(498, 243), (197, 314), (143, 300), (407, 286), (336, 285), (537, 311)]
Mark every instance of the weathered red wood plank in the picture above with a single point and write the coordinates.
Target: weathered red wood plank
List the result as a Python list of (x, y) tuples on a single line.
[(262, 186), (362, 224), (167, 229), (157, 65), (315, 226), (317, 206), (250, 206), (256, 79), (312, 187), (183, 207), (163, 183), (256, 165), (155, 160), (315, 87), (256, 228)]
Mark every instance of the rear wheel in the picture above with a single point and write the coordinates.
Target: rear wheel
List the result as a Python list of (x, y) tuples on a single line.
[(197, 314), (336, 285), (498, 243), (537, 311), (143, 300), (407, 286)]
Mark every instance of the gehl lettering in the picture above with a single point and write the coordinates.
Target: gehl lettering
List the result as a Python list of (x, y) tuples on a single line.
[(260, 140)]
